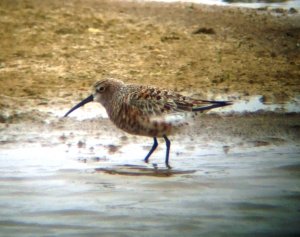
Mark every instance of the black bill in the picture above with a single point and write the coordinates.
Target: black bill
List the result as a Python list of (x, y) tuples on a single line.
[(85, 101)]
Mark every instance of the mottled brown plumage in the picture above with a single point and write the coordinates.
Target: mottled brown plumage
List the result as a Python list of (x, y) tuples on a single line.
[(144, 110)]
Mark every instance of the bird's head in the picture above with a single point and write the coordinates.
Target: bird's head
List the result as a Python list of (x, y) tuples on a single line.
[(102, 93)]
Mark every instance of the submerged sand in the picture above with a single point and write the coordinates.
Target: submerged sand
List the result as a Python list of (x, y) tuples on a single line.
[(233, 174)]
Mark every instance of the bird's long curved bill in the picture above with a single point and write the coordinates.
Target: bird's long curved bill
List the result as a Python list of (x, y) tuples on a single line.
[(85, 101)]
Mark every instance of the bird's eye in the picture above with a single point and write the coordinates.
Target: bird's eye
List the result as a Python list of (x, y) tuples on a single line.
[(100, 89)]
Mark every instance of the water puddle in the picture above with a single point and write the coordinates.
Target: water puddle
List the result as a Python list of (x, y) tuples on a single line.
[(136, 170), (256, 104), (241, 3)]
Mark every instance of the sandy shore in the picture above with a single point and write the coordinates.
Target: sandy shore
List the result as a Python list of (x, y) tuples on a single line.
[(52, 52), (233, 174)]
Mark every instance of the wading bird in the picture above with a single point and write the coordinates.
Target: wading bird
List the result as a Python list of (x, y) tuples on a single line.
[(147, 111)]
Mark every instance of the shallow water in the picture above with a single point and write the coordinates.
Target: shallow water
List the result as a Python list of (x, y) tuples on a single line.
[(248, 4), (80, 185)]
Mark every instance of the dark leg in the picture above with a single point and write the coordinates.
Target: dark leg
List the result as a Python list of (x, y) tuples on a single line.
[(152, 149), (168, 144)]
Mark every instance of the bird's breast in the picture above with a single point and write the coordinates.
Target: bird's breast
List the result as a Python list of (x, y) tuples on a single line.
[(134, 121)]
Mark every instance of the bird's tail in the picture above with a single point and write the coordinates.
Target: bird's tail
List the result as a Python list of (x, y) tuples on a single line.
[(209, 104)]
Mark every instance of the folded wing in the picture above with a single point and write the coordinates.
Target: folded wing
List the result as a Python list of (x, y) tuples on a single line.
[(155, 102)]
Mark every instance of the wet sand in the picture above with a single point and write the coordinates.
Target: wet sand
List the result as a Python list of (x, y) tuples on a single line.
[(234, 174)]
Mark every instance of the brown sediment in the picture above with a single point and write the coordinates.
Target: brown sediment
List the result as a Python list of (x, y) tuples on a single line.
[(252, 130), (53, 51)]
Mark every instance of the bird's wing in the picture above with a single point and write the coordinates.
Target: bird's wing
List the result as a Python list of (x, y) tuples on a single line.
[(166, 106), (154, 102), (157, 102), (204, 105)]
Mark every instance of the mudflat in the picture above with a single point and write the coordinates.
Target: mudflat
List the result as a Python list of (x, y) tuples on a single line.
[(53, 51)]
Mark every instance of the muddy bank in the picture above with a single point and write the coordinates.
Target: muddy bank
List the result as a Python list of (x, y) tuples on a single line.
[(52, 52), (248, 131)]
